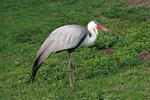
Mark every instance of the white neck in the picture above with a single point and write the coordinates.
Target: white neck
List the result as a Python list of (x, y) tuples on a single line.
[(90, 40)]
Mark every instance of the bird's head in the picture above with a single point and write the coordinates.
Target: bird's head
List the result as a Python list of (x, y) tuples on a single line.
[(95, 26)]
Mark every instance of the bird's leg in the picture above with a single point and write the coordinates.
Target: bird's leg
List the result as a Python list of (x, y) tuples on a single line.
[(72, 73), (71, 76), (69, 68)]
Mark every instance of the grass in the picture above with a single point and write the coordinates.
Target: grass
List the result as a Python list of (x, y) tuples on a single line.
[(121, 75)]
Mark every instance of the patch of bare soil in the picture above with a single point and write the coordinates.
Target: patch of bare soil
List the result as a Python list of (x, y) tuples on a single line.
[(133, 3), (102, 16), (108, 51), (148, 19), (116, 86), (145, 57)]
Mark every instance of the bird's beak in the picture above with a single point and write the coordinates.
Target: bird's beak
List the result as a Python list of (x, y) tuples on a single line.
[(105, 29)]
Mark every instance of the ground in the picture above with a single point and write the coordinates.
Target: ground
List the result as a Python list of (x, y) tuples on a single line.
[(116, 68), (133, 3)]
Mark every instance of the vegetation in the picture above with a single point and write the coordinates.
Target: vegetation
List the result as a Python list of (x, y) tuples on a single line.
[(116, 68)]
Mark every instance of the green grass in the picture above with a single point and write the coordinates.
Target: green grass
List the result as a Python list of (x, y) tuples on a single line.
[(25, 24)]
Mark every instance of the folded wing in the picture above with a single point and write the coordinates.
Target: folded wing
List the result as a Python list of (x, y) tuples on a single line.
[(63, 38)]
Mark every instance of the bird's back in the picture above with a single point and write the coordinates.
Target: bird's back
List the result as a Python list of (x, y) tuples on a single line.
[(64, 32)]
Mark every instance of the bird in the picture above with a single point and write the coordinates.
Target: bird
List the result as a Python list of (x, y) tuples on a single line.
[(67, 38)]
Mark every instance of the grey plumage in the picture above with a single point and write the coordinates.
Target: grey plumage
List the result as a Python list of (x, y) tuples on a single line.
[(66, 37)]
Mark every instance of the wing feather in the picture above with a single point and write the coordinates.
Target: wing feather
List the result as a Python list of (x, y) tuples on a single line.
[(63, 38)]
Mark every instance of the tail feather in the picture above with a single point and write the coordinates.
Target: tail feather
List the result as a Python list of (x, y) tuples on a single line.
[(42, 55), (39, 61), (35, 69)]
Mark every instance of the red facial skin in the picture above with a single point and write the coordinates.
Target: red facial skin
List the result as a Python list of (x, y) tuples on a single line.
[(99, 26)]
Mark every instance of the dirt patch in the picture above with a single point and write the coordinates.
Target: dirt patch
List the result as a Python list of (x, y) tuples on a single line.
[(16, 62), (148, 19), (133, 3), (116, 86), (145, 57), (108, 51), (102, 16)]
